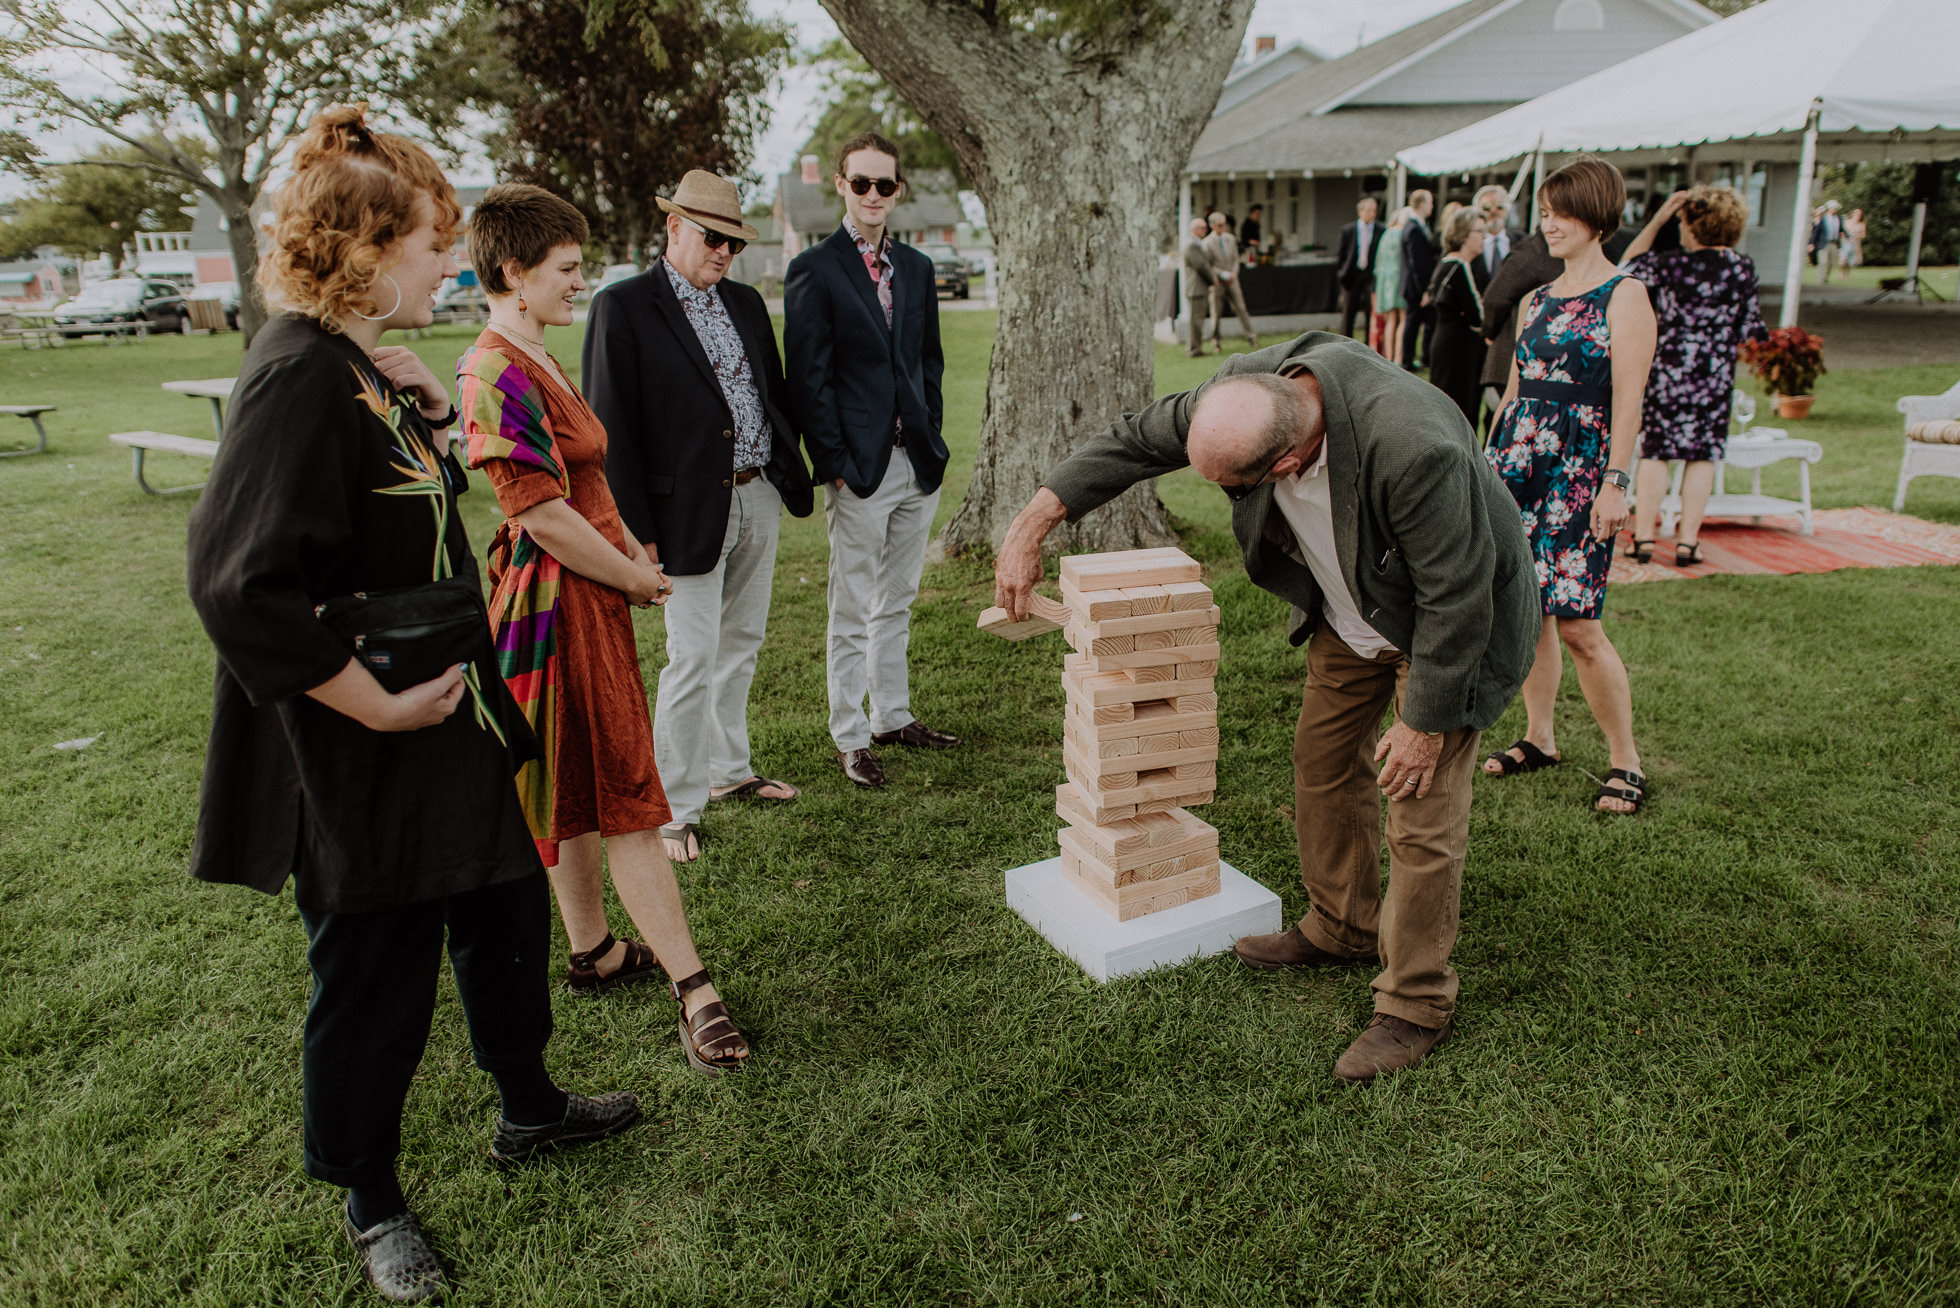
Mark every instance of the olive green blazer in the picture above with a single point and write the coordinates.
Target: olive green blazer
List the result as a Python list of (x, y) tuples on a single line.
[(1430, 541)]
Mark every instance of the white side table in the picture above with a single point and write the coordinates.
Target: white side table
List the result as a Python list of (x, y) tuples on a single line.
[(1755, 449)]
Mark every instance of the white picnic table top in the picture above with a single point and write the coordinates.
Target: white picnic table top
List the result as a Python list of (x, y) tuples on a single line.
[(210, 388)]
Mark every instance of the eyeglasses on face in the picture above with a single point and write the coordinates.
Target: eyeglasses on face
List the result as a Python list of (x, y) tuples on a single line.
[(715, 240), (1237, 493), (887, 186)]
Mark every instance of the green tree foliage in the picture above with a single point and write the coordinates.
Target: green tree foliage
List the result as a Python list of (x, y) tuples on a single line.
[(98, 204), (859, 100), (610, 106), (1884, 191), (247, 73)]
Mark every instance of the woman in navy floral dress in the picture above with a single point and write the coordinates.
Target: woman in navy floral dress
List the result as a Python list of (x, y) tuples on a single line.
[(1565, 435), (1705, 302)]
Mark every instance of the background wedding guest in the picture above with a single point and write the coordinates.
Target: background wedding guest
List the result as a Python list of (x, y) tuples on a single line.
[(393, 813), (1528, 266), (1390, 307), (1705, 305), (1418, 265), (682, 370), (1198, 281), (1457, 358), (565, 571), (1854, 242), (1252, 234), (1356, 260), (1826, 230), (1226, 292), (1493, 205), (1565, 435)]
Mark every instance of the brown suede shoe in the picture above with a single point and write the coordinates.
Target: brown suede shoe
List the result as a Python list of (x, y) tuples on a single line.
[(1389, 1044), (1289, 948), (861, 766)]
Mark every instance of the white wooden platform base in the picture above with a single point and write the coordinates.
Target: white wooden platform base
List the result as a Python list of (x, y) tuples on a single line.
[(1105, 948)]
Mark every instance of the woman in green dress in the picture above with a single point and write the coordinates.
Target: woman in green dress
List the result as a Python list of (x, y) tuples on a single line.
[(1390, 307)]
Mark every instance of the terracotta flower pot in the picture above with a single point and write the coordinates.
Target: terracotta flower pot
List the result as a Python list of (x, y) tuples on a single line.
[(1794, 407)]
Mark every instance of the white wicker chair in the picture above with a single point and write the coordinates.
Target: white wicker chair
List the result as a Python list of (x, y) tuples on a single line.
[(1932, 439)]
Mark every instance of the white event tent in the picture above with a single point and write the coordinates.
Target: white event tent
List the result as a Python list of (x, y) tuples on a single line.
[(1829, 80)]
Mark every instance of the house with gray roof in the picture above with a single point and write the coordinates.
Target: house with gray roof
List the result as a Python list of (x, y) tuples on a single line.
[(1309, 143)]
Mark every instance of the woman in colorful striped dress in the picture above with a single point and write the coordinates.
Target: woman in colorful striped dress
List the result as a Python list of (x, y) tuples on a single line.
[(565, 571)]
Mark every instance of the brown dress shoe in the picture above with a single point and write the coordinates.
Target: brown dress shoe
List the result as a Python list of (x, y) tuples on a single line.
[(861, 766), (1289, 948), (918, 735), (1390, 1044)]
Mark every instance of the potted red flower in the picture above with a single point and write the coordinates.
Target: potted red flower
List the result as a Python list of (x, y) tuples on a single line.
[(1787, 364)]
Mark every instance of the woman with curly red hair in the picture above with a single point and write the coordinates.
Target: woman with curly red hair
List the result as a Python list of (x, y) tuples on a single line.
[(391, 810)]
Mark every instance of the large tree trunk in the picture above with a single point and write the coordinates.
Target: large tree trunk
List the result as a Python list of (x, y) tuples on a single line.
[(1076, 159), (243, 237)]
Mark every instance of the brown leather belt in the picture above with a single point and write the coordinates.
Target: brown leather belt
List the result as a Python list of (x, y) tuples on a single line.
[(743, 476)]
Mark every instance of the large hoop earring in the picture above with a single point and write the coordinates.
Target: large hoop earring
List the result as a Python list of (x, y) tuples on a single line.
[(381, 317)]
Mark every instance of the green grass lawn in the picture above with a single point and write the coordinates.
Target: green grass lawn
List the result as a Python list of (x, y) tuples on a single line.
[(1706, 1056)]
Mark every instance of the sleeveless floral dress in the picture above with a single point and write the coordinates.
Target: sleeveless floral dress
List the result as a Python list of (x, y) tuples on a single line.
[(1551, 447)]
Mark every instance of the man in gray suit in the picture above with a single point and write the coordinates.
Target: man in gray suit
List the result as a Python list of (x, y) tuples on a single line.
[(1360, 498), (1225, 292), (1198, 281)]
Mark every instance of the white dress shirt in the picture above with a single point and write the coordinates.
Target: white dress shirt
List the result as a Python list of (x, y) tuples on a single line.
[(1362, 233), (1496, 245), (1306, 499)]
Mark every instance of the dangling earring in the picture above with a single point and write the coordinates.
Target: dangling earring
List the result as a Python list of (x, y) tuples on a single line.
[(520, 304)]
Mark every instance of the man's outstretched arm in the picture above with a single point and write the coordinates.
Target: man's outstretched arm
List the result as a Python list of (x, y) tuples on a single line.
[(1018, 565)]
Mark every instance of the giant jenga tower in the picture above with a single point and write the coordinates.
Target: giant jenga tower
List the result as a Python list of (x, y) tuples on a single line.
[(1141, 730)]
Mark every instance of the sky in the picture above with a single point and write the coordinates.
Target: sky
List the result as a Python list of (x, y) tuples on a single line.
[(1332, 26)]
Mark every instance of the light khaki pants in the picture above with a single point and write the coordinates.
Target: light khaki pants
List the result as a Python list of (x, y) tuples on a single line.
[(1228, 295), (1338, 818), (877, 554)]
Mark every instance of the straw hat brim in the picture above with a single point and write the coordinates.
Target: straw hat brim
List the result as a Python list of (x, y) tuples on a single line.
[(712, 221)]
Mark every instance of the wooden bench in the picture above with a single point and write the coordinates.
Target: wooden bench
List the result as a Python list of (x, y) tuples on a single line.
[(141, 443), (31, 412)]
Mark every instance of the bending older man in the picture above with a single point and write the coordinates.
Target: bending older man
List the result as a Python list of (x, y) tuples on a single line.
[(1360, 498)]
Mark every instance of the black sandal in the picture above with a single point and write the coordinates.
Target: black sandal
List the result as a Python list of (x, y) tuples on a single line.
[(1686, 556), (1633, 792), (1641, 551), (583, 976), (724, 1052), (1534, 759)]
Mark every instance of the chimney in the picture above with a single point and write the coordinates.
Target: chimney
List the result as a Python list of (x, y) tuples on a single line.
[(810, 175), (1263, 46)]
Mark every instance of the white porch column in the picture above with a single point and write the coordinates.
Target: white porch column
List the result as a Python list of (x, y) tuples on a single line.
[(1800, 222), (1398, 189), (1913, 247)]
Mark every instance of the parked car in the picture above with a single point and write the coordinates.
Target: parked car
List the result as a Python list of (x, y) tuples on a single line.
[(950, 271), (225, 293), (116, 305), (460, 302)]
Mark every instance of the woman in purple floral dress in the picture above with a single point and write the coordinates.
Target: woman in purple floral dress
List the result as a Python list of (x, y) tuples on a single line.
[(1705, 302), (1564, 437)]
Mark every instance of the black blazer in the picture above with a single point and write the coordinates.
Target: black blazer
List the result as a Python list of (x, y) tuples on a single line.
[(669, 431), (1418, 261), (1347, 256), (850, 375)]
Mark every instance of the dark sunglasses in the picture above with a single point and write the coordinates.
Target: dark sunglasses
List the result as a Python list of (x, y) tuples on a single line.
[(885, 185), (1237, 493), (715, 240)]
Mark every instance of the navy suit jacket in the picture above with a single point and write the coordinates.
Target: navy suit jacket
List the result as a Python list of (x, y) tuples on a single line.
[(1418, 261), (850, 377), (670, 453)]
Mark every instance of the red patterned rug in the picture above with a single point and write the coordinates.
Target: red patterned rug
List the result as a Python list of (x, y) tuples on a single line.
[(1846, 538)]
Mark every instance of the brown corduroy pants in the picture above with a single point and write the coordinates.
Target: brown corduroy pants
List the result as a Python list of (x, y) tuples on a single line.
[(1337, 818)]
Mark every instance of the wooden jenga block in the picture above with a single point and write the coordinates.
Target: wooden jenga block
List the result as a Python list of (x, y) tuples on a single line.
[(1141, 787), (1170, 804), (1193, 737), (1189, 595), (1126, 903), (1098, 688), (1136, 625), (1196, 770), (1197, 671), (1121, 747), (1197, 701), (1156, 672), (1147, 658), (1083, 643), (1073, 807), (1204, 635), (1086, 728), (1044, 615), (1170, 826), (1094, 605), (1102, 770), (1122, 569), (1156, 640), (1158, 742), (1131, 857), (1101, 715), (1147, 599)]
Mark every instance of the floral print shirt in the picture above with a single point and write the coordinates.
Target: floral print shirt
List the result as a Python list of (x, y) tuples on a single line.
[(730, 360)]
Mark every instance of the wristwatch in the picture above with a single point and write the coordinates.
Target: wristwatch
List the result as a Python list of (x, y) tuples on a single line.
[(1614, 477)]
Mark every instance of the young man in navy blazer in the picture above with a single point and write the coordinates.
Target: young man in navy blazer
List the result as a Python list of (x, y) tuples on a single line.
[(861, 330)]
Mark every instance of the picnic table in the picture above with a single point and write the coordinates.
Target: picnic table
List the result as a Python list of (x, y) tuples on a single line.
[(31, 412), (215, 389), (35, 326)]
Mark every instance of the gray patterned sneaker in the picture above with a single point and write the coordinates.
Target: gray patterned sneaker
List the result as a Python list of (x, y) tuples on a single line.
[(585, 1119), (398, 1262)]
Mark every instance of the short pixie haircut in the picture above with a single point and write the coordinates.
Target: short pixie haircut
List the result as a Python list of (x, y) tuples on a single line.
[(516, 222), (353, 193), (1587, 190), (1715, 214)]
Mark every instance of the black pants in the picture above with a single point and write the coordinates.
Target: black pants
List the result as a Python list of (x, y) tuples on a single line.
[(374, 997), (1356, 300), (1421, 317)]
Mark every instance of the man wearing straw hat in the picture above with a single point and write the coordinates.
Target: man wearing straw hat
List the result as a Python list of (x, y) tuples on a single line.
[(681, 366)]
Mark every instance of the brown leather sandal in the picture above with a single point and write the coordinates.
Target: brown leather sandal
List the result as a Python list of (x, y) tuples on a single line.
[(583, 974), (727, 1050)]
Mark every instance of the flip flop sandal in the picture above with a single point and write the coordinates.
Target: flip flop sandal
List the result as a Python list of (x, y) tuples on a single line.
[(710, 1039), (1633, 791), (753, 787), (680, 833), (1534, 759), (582, 973)]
